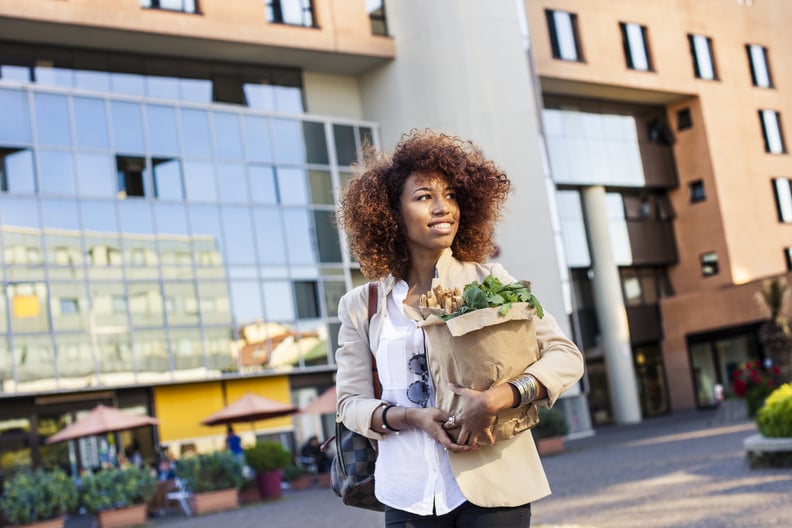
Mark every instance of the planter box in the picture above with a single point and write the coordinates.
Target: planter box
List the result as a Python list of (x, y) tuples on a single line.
[(323, 480), (123, 517), (212, 501), (550, 446), (301, 482), (249, 496), (49, 523), (763, 452)]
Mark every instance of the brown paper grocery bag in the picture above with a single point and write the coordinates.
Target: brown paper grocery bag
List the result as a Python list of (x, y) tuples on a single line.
[(481, 349)]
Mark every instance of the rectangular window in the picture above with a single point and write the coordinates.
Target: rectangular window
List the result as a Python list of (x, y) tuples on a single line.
[(709, 264), (771, 130), (130, 176), (697, 193), (783, 196), (684, 119), (292, 12), (376, 11), (703, 58), (564, 35), (760, 71), (636, 49), (185, 6)]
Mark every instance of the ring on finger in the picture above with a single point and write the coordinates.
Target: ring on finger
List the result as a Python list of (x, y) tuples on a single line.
[(451, 420)]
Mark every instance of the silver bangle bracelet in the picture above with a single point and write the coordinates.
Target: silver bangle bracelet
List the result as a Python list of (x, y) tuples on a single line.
[(526, 387)]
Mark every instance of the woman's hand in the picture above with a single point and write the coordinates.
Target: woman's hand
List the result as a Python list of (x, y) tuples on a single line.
[(476, 417), (431, 420)]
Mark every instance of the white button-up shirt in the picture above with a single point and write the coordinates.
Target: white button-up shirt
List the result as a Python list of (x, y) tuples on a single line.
[(413, 472)]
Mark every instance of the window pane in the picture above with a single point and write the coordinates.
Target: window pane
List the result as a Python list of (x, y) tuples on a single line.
[(52, 119), (145, 304), (99, 216), (270, 236), (56, 173), (238, 232), (259, 96), (279, 301), (187, 349), (162, 87), (163, 133), (565, 34), (215, 307), (327, 237), (181, 303), (35, 362), (299, 243), (195, 128), (90, 120), (16, 170), (68, 305), (288, 141), (232, 182), (75, 359), (321, 187), (15, 125), (246, 302), (167, 179), (315, 143), (27, 302), (95, 175), (288, 99), (50, 76), (109, 305), (218, 349), (127, 83), (333, 291), (262, 184), (258, 138), (346, 151), (196, 90), (200, 181), (115, 359), (127, 127), (151, 351), (136, 217), (292, 186), (703, 57), (774, 143), (759, 66), (637, 46), (228, 140), (783, 190), (92, 80)]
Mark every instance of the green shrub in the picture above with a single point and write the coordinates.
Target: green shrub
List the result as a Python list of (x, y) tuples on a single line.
[(294, 471), (210, 472), (267, 456), (38, 496), (775, 417), (552, 422), (110, 489)]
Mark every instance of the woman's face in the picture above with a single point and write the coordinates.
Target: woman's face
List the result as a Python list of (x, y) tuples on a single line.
[(430, 213)]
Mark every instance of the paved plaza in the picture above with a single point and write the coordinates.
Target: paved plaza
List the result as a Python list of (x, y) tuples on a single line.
[(686, 470)]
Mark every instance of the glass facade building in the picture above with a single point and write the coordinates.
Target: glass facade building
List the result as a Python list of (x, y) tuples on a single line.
[(150, 235)]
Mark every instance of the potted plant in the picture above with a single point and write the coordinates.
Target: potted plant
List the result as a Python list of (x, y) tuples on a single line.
[(40, 499), (772, 446), (118, 497), (268, 459), (550, 431), (298, 477), (214, 480)]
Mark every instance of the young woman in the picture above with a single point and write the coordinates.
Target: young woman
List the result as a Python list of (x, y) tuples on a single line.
[(429, 211)]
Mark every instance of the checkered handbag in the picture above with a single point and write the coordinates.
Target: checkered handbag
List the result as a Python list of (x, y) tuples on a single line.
[(352, 470)]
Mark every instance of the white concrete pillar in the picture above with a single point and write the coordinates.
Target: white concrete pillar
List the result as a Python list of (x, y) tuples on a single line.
[(611, 312)]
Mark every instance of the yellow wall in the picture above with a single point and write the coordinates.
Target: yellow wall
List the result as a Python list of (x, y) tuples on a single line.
[(180, 408)]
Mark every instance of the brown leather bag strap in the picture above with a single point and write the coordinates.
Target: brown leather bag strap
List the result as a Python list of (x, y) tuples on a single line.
[(372, 309)]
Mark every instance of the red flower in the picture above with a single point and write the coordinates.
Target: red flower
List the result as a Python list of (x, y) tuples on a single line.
[(740, 387)]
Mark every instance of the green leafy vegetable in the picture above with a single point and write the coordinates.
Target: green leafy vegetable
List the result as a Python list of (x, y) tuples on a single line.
[(491, 292)]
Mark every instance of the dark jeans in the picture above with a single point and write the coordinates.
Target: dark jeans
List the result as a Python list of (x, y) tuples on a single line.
[(465, 516)]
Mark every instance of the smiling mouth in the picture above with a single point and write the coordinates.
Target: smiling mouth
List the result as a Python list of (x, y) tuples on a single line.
[(441, 225)]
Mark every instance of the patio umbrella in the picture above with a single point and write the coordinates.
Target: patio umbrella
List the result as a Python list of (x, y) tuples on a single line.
[(249, 408), (101, 419), (324, 404)]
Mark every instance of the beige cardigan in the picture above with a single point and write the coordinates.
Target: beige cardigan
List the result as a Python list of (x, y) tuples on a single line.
[(508, 473)]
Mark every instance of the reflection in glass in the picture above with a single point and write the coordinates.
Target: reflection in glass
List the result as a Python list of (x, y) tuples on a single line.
[(68, 305), (140, 256), (15, 125), (346, 151), (269, 236), (28, 306), (162, 87), (219, 349), (127, 127), (176, 256), (99, 216), (52, 119), (64, 251), (257, 137), (97, 81), (366, 136), (287, 135), (196, 90), (288, 99), (292, 186), (333, 290), (162, 130), (131, 176), (108, 306), (95, 175), (167, 179), (16, 170), (259, 96), (151, 354), (35, 362), (195, 130), (321, 187), (187, 349), (115, 359), (315, 143), (127, 83), (228, 139), (245, 302), (299, 243), (307, 299), (3, 326), (262, 184), (327, 237), (75, 360), (278, 301), (213, 300), (207, 235), (90, 122), (181, 303), (232, 184), (199, 181), (145, 304), (238, 236), (56, 173), (136, 217)]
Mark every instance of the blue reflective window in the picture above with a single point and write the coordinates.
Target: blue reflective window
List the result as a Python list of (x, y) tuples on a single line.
[(238, 233), (163, 87), (246, 302), (288, 138), (195, 130), (292, 186), (49, 76), (346, 151), (315, 143), (299, 243), (99, 216), (15, 124), (136, 217), (15, 73), (199, 181), (259, 96), (171, 219), (288, 99), (205, 223), (228, 139), (127, 83), (127, 127), (270, 236), (168, 179), (22, 212), (90, 120), (96, 175), (327, 239), (61, 214), (262, 184), (278, 301), (232, 183), (257, 137), (56, 173), (16, 171), (162, 129), (196, 90), (92, 80), (52, 119)]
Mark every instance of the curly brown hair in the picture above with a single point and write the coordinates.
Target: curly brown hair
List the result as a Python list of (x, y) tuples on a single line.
[(369, 211)]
